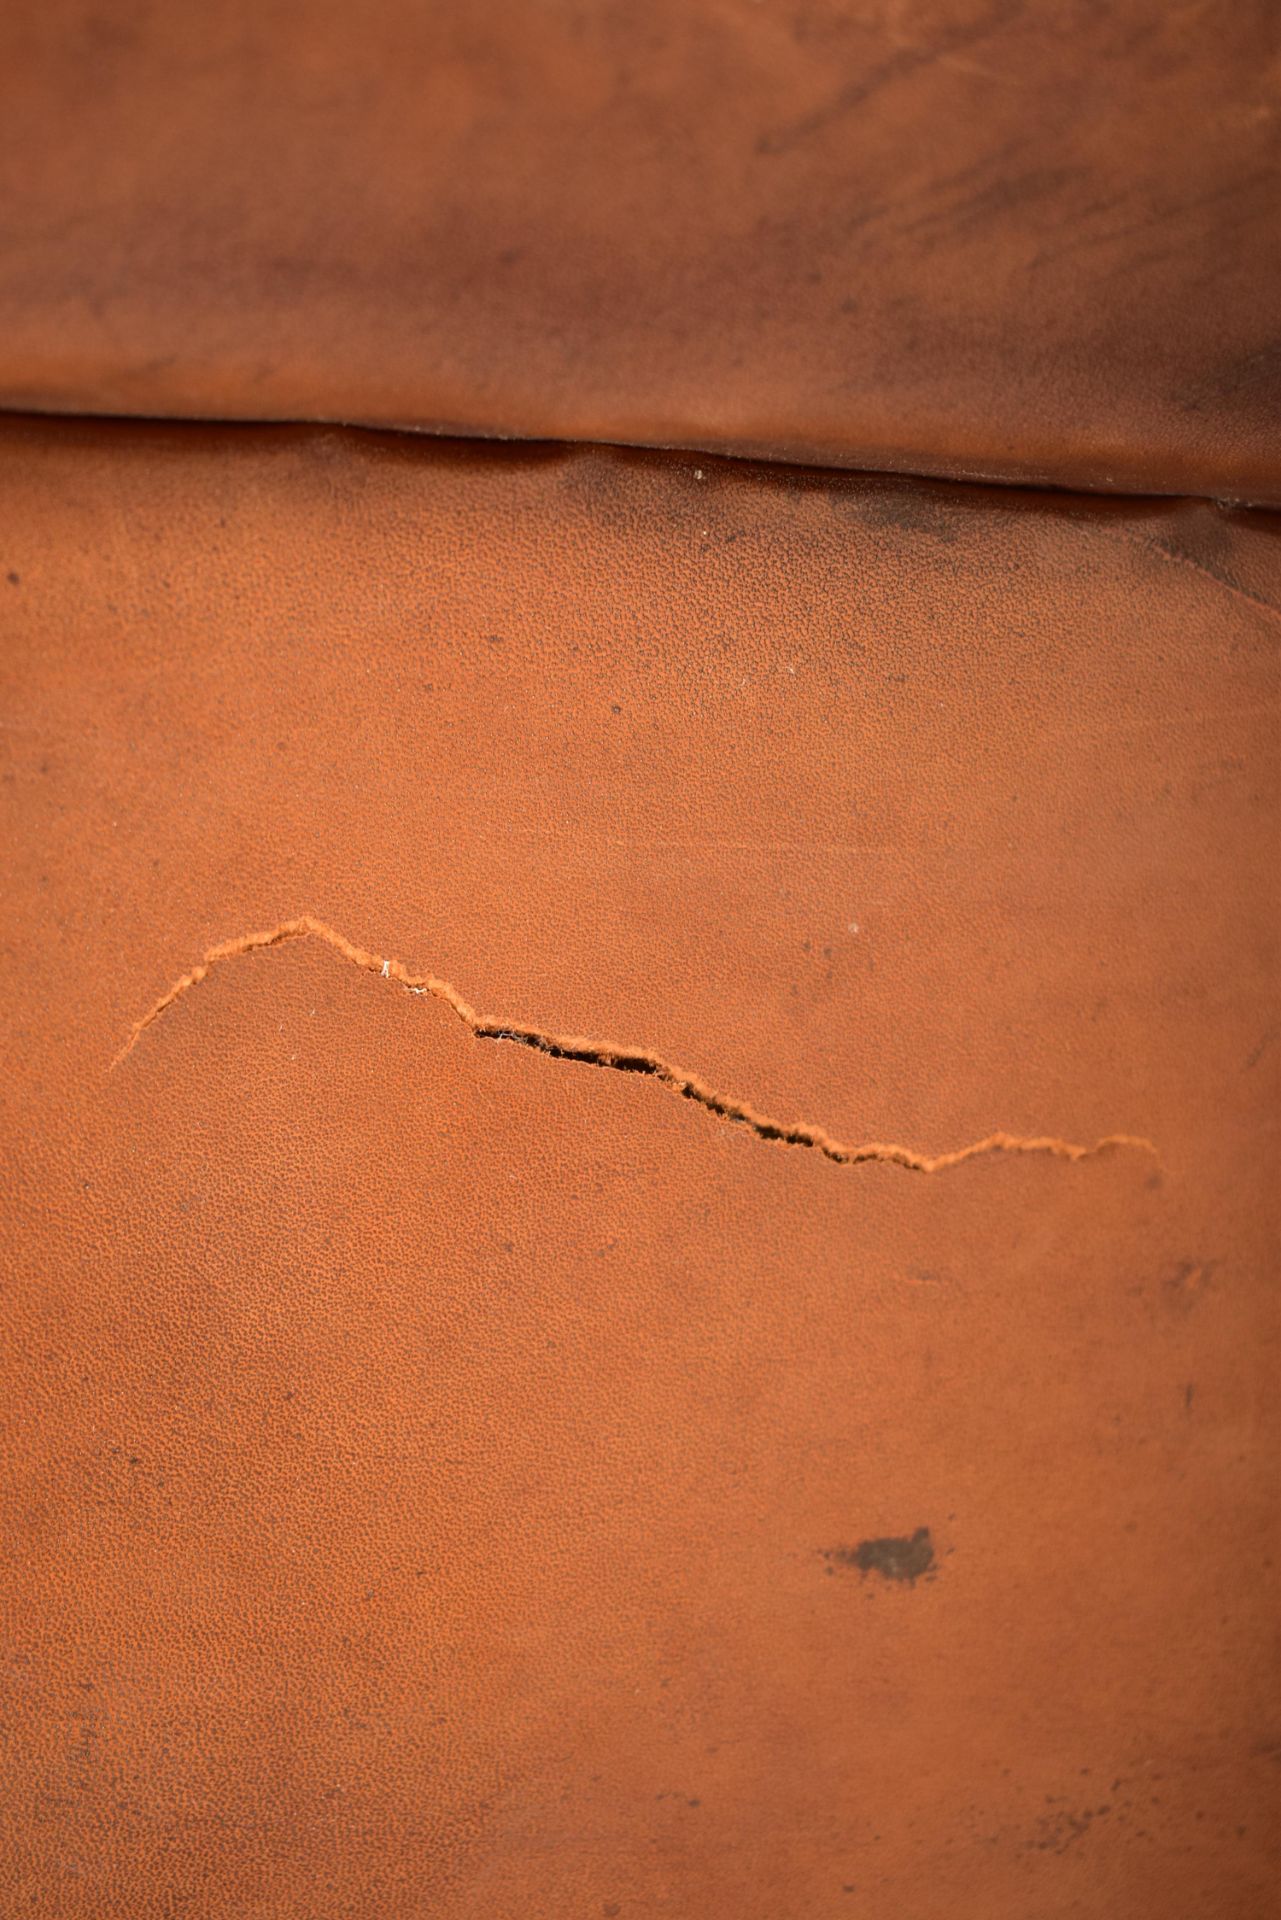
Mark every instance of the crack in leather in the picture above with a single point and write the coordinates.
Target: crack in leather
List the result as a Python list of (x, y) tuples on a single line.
[(623, 1060)]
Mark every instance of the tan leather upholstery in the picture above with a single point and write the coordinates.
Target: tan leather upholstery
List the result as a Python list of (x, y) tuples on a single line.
[(443, 1479), (984, 238)]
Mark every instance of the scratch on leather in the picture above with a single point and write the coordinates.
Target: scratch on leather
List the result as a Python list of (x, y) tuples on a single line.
[(621, 1059)]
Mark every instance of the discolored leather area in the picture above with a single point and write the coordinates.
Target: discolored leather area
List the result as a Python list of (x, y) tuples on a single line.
[(979, 238), (444, 1478)]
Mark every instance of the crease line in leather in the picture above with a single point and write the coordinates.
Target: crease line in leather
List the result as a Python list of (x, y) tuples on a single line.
[(621, 1059), (1244, 594), (747, 455)]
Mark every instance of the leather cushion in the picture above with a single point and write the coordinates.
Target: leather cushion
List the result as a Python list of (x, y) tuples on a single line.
[(440, 1478), (983, 238)]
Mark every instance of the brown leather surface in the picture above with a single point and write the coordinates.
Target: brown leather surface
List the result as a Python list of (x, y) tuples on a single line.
[(984, 238), (443, 1479)]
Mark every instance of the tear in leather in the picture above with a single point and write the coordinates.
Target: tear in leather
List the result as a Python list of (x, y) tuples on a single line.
[(622, 1060)]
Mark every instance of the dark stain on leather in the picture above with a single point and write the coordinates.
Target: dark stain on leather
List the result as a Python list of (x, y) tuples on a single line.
[(896, 509), (906, 1558)]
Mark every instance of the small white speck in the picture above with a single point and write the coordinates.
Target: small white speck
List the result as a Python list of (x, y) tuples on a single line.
[(386, 969), (853, 926), (698, 473)]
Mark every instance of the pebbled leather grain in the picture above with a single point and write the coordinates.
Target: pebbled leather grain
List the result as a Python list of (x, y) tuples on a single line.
[(440, 1479), (983, 238)]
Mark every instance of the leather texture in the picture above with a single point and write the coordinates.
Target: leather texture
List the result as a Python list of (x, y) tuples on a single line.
[(982, 238), (440, 1478)]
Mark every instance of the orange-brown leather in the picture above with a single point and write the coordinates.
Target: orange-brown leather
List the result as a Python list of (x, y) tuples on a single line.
[(976, 237), (444, 1479)]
